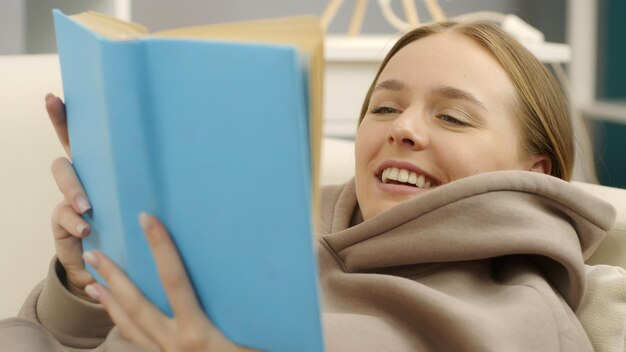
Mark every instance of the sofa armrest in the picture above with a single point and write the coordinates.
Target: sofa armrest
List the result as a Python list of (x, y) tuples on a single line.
[(28, 193), (612, 250)]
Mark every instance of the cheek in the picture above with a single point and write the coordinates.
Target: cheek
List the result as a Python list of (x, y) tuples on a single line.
[(459, 163), (475, 157), (367, 143)]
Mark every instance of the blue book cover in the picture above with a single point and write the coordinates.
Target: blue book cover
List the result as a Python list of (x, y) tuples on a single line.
[(212, 137)]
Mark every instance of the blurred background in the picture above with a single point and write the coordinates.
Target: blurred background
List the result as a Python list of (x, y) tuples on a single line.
[(593, 32)]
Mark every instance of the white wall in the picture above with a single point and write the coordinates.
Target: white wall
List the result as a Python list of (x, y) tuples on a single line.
[(26, 25), (12, 27)]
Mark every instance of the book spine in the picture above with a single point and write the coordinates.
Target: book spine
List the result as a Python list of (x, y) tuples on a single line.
[(104, 86), (129, 100), (81, 59)]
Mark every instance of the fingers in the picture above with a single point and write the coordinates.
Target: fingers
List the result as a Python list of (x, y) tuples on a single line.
[(172, 272), (67, 223), (128, 308), (67, 228), (143, 323), (195, 331), (56, 112), (128, 328), (69, 184)]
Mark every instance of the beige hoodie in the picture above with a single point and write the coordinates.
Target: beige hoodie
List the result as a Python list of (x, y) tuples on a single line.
[(492, 262)]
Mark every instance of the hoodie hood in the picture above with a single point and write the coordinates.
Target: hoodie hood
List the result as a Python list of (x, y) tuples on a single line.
[(490, 215)]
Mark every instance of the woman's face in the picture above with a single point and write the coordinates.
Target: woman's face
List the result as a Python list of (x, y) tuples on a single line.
[(442, 109)]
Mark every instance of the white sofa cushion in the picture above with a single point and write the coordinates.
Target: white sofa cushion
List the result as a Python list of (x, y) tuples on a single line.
[(603, 309)]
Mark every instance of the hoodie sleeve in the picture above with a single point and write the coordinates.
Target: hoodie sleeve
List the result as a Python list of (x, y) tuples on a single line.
[(74, 322)]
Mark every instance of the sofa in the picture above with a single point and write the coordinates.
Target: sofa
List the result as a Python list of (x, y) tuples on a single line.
[(28, 145)]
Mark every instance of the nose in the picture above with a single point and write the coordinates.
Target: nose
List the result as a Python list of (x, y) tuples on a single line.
[(407, 131)]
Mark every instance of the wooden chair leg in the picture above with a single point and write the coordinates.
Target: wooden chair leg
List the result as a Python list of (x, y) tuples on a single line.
[(357, 17), (410, 11), (435, 10)]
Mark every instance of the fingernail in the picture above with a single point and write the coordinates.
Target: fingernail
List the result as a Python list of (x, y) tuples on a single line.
[(81, 229), (144, 221), (49, 96), (91, 259), (92, 292), (82, 203)]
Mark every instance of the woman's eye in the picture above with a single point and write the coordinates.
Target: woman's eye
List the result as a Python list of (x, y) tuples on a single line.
[(384, 110), (452, 120)]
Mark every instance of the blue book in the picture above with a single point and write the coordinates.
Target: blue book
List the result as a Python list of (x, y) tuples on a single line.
[(215, 130)]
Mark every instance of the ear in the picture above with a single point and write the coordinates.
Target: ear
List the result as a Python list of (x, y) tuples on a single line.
[(541, 164)]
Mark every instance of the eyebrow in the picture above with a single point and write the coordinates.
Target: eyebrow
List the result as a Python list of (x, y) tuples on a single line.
[(390, 84), (444, 91), (455, 93)]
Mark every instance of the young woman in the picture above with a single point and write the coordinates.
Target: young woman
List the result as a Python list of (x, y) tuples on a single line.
[(457, 232)]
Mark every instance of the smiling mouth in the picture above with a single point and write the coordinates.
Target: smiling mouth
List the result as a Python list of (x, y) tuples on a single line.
[(398, 176)]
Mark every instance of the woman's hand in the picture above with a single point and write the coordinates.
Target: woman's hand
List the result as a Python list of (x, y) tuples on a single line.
[(67, 226), (138, 320), (56, 113), (141, 322)]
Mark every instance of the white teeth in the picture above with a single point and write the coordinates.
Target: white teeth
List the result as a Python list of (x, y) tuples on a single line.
[(393, 173), (405, 176), (420, 181)]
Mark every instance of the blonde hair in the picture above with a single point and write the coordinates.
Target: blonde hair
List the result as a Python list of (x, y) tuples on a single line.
[(542, 111)]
